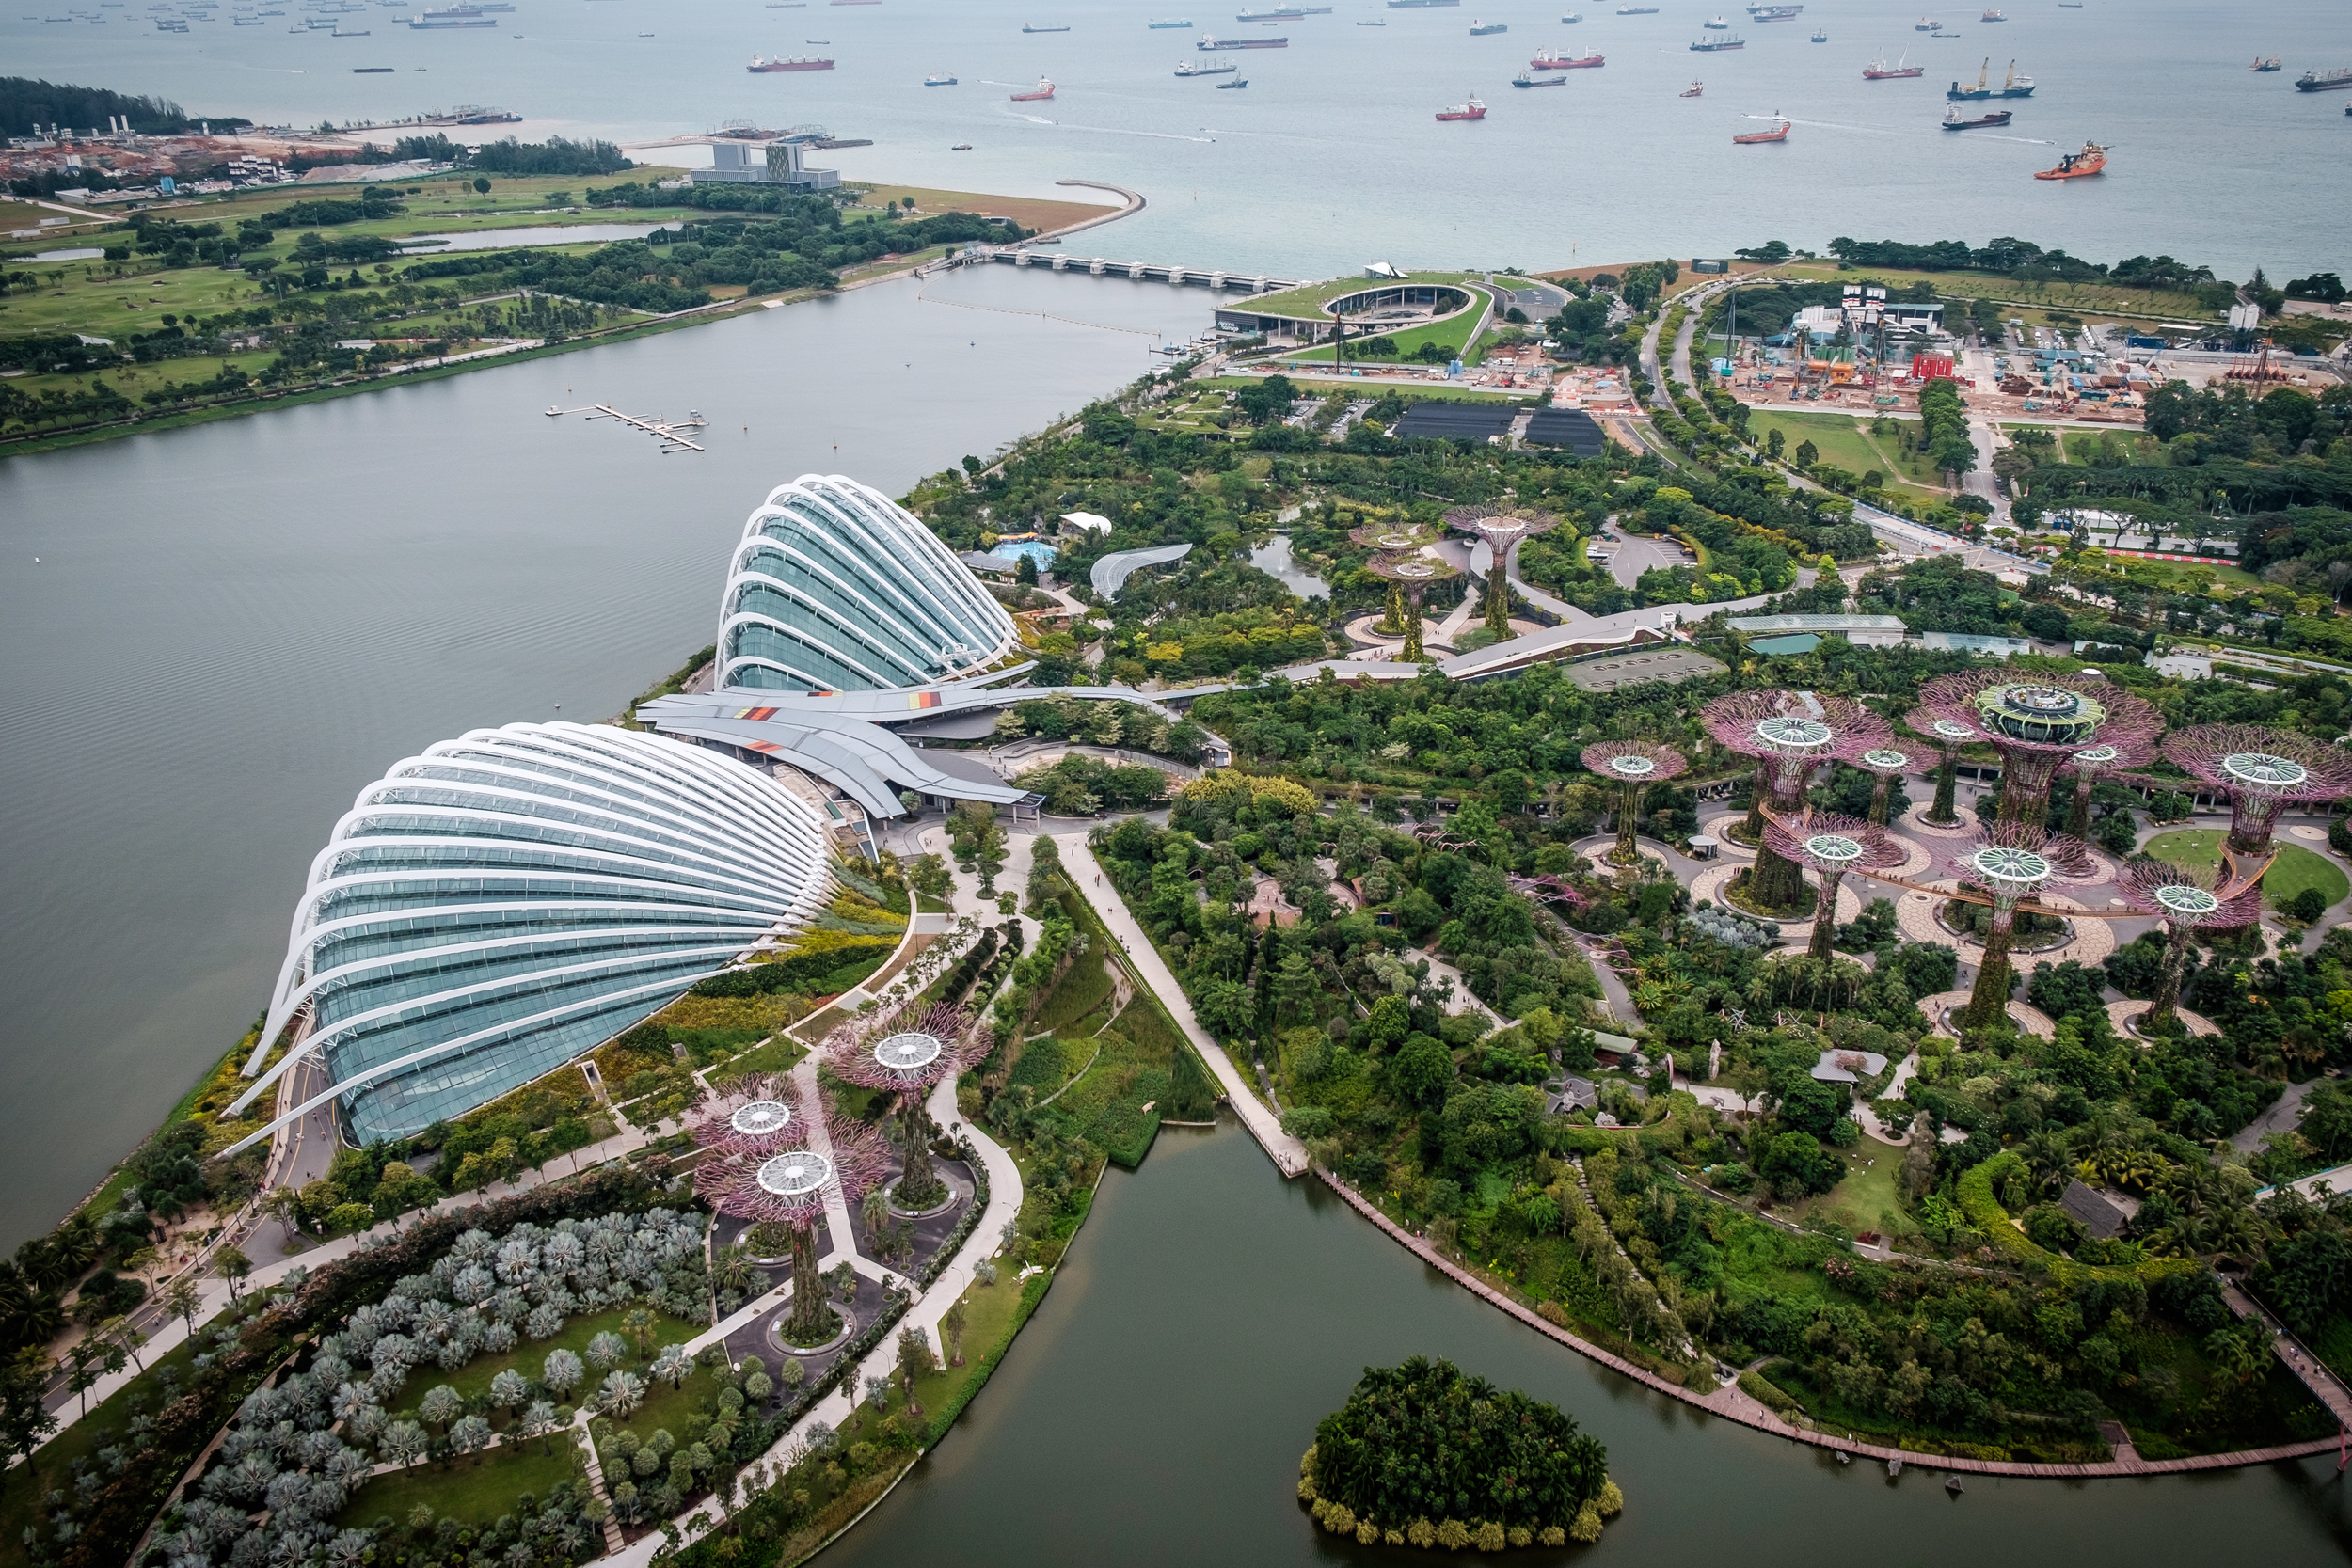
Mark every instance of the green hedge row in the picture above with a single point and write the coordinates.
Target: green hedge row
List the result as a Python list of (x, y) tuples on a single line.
[(798, 971), (1990, 1220)]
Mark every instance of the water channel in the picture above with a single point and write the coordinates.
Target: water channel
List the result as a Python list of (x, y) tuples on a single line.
[(212, 637), (1154, 1411)]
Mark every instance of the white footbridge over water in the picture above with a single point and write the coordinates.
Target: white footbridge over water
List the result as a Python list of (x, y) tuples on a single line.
[(1098, 266)]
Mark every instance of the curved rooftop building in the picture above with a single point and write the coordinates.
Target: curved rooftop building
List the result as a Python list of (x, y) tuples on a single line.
[(837, 588), (511, 899)]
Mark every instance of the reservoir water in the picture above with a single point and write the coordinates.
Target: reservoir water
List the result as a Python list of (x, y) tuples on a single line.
[(1333, 158), (1154, 1411), (231, 629)]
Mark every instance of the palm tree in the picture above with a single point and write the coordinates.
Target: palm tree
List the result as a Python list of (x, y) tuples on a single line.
[(403, 1443), (733, 1272)]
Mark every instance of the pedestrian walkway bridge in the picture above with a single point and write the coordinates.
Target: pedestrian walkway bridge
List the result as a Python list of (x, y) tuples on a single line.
[(1097, 266)]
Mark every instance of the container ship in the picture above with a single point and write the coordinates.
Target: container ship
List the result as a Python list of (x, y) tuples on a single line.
[(2325, 81), (1044, 89), (1210, 44), (1471, 110), (1716, 46), (762, 66), (2076, 166), (1955, 121), (1551, 59), (1778, 132), (1879, 71), (1214, 66)]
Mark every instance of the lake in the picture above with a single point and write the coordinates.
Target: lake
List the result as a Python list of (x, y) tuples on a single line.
[(234, 627), (1210, 1314)]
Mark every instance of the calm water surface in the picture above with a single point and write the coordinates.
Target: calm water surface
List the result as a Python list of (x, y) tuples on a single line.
[(1155, 1409), (1332, 157), (232, 628)]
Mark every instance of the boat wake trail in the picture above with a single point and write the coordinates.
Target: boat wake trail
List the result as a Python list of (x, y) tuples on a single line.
[(925, 298), (1107, 130)]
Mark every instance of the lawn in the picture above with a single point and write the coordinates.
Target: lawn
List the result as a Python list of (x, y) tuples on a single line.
[(1081, 1004), (476, 1490), (530, 1357), (1456, 332), (1845, 442), (780, 1053), (2200, 849), (1866, 1199), (2084, 298)]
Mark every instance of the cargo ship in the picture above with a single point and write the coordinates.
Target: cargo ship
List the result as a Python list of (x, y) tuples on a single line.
[(762, 66), (2261, 63), (1420, 4), (1954, 120), (1925, 25), (1044, 91), (1551, 59), (1171, 22), (939, 79), (1637, 10), (1032, 27), (1210, 43), (371, 71), (2325, 81), (1959, 94), (1716, 46), (1774, 13), (436, 21), (1216, 65), (1471, 110), (1236, 82), (2076, 166), (1992, 15), (1283, 13), (1524, 80), (1488, 29), (1778, 132), (1879, 71)]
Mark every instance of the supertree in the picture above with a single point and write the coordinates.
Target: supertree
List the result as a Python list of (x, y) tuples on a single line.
[(1632, 766), (1412, 573), (1399, 539), (2010, 862), (1788, 738), (762, 1168), (1889, 763), (1831, 846), (2038, 723), (1502, 531), (757, 1115), (2182, 901), (907, 1052), (2261, 770), (2094, 763), (1949, 736)]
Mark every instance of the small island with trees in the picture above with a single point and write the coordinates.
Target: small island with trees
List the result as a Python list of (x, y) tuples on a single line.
[(1428, 1455)]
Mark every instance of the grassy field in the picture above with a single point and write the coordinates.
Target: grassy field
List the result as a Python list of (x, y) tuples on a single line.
[(473, 1491), (1455, 333), (1866, 1199), (532, 1355), (1845, 441), (2200, 849)]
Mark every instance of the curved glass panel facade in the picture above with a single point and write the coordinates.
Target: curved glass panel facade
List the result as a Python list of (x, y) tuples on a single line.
[(510, 899), (836, 588)]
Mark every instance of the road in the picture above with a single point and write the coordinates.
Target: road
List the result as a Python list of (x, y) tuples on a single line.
[(1638, 554)]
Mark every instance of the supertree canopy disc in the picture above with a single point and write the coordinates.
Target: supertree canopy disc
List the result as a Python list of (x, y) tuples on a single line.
[(753, 1115), (761, 1118), (2094, 763), (796, 1174), (1949, 736), (1388, 537), (1832, 845), (2010, 862), (909, 1051), (2185, 904), (1790, 734), (1413, 570), (2260, 769), (1889, 763), (2038, 723)]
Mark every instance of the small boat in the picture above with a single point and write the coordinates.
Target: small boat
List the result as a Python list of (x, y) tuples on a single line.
[(1925, 25), (2076, 166), (1951, 1484), (1573, 16), (1694, 90), (1992, 15), (1716, 25), (1471, 110), (2261, 63), (939, 79), (1778, 132), (1488, 29), (1821, 35), (1844, 1457), (1879, 71), (1524, 80), (960, 147), (1236, 82), (1551, 59), (1032, 27), (1044, 89), (1954, 120)]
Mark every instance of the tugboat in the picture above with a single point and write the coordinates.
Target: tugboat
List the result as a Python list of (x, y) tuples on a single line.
[(2262, 64), (1953, 120), (2076, 166), (1821, 35), (1471, 110), (1879, 71), (1551, 59), (1692, 90), (1524, 80), (1044, 90), (1778, 132)]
